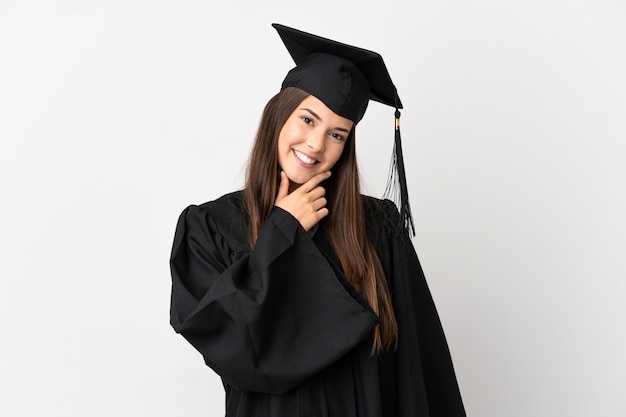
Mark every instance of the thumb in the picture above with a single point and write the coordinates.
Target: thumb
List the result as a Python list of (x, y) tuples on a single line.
[(283, 188)]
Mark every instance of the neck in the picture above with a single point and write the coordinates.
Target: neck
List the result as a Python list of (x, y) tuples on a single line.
[(293, 186)]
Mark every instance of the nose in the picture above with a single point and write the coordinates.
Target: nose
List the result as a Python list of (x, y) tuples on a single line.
[(316, 142)]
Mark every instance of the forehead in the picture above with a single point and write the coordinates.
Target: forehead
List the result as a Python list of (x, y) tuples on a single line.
[(326, 114)]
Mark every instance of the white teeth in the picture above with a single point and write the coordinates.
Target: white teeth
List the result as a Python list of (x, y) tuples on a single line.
[(304, 158)]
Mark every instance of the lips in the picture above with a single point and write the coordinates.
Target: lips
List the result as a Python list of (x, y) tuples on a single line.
[(304, 158)]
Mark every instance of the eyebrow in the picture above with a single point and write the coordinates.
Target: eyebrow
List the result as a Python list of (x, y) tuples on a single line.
[(315, 115)]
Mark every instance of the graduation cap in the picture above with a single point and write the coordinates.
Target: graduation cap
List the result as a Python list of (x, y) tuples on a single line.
[(345, 78)]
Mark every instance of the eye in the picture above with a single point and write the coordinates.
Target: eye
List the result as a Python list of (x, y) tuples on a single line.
[(337, 136), (307, 120)]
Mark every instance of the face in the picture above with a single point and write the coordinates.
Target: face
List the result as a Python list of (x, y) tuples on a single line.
[(311, 140)]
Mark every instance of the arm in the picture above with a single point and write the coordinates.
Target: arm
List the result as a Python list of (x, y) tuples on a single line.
[(269, 320)]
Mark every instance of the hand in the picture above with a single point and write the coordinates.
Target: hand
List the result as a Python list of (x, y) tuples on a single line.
[(307, 202)]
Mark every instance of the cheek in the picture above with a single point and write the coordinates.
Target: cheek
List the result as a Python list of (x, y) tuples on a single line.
[(287, 136), (282, 150), (284, 137), (335, 153)]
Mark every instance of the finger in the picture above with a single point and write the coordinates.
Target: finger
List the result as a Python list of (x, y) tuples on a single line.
[(319, 204), (316, 193), (315, 180), (283, 188), (321, 213)]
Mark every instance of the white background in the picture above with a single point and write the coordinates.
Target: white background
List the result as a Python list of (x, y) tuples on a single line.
[(115, 115)]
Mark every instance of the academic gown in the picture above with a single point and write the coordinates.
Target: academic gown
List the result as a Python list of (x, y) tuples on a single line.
[(289, 335)]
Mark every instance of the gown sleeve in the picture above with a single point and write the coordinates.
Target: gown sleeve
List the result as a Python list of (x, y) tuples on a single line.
[(426, 380), (267, 321)]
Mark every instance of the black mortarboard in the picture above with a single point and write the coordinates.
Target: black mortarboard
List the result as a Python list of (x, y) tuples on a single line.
[(345, 78)]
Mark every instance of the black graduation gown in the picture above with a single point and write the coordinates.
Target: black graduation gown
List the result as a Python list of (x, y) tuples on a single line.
[(288, 334)]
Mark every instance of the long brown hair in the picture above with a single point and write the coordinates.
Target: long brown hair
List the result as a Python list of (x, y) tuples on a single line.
[(346, 226)]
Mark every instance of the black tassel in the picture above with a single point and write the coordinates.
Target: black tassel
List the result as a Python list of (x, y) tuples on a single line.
[(396, 183)]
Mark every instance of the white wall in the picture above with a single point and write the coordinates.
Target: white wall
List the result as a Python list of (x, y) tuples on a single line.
[(115, 115)]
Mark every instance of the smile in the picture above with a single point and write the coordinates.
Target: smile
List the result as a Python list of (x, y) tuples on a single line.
[(304, 158)]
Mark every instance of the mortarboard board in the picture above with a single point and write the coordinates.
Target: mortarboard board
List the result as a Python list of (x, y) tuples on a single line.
[(345, 78), (324, 64)]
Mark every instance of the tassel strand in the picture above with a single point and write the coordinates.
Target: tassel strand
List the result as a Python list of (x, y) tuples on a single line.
[(396, 189)]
